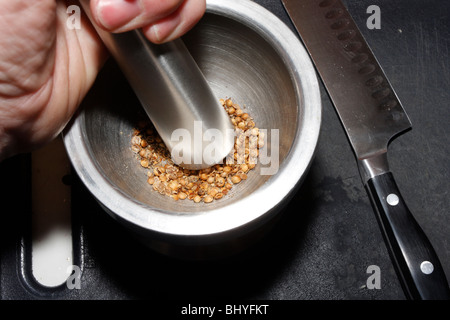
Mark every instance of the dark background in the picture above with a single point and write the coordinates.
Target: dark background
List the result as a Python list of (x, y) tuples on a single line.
[(328, 235)]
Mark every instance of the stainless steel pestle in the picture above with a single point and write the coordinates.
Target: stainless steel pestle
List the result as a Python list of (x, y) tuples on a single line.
[(175, 95)]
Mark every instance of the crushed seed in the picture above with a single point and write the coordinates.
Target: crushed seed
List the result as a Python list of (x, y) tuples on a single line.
[(204, 185)]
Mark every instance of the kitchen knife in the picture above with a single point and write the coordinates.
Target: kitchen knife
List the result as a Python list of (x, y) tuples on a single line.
[(372, 115)]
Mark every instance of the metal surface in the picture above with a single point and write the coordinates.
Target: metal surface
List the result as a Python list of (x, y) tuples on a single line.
[(365, 101), (245, 53), (175, 95)]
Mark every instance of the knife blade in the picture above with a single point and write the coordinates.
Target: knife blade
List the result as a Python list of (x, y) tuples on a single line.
[(372, 115)]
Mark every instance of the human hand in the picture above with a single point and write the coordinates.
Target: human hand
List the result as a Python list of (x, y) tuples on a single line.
[(46, 68)]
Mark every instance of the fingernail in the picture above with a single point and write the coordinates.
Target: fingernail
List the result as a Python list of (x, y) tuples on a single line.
[(114, 14), (166, 29), (153, 33)]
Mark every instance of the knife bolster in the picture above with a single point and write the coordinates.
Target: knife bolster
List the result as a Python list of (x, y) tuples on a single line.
[(373, 166)]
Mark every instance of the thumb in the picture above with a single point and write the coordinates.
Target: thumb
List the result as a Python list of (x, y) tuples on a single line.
[(161, 20)]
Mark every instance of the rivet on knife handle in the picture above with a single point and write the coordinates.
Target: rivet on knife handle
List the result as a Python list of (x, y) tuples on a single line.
[(372, 115)]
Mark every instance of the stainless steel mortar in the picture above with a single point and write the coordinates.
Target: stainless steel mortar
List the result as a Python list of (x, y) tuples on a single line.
[(245, 53)]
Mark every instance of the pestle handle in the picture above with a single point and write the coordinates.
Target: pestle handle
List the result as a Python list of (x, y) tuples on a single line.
[(175, 95)]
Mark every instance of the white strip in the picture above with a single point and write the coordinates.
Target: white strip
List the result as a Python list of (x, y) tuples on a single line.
[(51, 217)]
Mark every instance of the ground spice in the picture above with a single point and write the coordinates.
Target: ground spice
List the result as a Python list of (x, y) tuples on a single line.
[(204, 185)]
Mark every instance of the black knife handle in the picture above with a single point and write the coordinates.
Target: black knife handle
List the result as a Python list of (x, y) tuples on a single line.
[(410, 250)]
